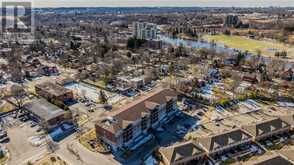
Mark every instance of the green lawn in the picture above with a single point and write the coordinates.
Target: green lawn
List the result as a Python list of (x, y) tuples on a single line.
[(267, 48)]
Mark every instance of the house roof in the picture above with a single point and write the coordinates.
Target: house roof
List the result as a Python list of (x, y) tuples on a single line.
[(263, 127), (288, 119), (43, 109), (180, 151), (137, 109), (53, 89), (282, 157), (219, 140)]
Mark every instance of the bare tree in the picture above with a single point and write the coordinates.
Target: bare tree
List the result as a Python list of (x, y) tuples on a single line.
[(15, 64), (102, 97), (18, 93), (236, 83)]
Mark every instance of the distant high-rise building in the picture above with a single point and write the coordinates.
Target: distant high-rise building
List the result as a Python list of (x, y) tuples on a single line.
[(143, 30), (231, 21)]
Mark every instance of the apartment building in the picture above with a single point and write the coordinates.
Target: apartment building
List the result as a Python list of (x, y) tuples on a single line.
[(144, 30), (130, 124)]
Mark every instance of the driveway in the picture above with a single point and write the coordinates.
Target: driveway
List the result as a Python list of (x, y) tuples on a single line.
[(86, 157)]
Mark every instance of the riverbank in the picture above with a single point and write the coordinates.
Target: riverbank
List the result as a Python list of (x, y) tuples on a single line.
[(267, 48)]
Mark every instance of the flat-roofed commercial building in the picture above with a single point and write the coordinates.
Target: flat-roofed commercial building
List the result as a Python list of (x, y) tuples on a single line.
[(46, 114)]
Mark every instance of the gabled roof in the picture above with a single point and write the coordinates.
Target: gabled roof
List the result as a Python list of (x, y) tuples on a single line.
[(222, 139), (180, 151), (282, 157), (137, 109), (257, 129), (288, 119), (53, 88), (287, 153)]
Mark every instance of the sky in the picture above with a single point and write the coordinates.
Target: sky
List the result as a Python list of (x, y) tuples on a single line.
[(160, 3)]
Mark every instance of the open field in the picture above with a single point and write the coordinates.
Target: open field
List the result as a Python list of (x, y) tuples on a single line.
[(267, 48)]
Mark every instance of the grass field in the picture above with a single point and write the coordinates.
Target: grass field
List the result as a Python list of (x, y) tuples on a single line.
[(267, 48)]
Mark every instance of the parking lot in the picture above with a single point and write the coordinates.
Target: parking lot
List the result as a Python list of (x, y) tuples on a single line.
[(19, 133), (176, 129)]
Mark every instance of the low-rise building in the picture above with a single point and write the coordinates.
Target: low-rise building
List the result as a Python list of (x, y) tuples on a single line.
[(131, 82), (267, 128), (54, 93), (282, 157), (46, 114), (288, 119), (130, 124), (182, 153), (223, 141)]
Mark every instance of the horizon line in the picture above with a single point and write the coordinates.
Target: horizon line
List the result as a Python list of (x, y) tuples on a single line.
[(166, 7)]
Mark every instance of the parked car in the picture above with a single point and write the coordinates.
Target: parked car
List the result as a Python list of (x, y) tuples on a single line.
[(33, 124), (4, 139), (25, 119)]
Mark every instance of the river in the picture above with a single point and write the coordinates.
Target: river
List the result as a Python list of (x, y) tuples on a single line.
[(219, 48)]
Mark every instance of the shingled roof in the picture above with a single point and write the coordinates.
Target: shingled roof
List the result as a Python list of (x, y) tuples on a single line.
[(53, 88), (137, 109), (180, 151), (215, 141), (272, 159), (288, 119), (263, 127)]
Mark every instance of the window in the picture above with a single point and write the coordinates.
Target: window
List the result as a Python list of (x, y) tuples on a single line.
[(144, 123), (154, 115), (169, 106), (128, 134)]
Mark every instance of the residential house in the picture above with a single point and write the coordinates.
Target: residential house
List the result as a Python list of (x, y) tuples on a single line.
[(252, 78), (130, 124), (127, 83), (54, 93), (288, 75)]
